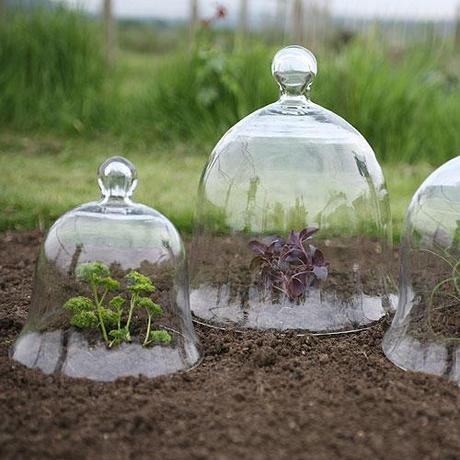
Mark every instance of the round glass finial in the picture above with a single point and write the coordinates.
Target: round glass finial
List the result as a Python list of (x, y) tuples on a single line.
[(117, 177), (294, 68)]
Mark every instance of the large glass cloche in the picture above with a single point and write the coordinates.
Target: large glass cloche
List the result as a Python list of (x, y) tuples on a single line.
[(292, 228), (425, 332), (110, 295)]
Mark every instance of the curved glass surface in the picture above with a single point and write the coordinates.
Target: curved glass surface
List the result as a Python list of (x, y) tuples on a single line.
[(425, 332), (292, 228), (110, 295)]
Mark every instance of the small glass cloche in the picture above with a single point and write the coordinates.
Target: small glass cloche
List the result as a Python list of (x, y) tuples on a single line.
[(110, 295), (425, 332), (293, 227)]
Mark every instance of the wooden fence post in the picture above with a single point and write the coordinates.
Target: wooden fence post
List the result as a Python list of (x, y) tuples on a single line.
[(281, 7), (457, 27), (243, 23), (2, 9), (109, 32), (194, 18), (298, 22)]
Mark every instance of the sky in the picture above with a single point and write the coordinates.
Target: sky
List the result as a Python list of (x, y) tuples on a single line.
[(178, 9)]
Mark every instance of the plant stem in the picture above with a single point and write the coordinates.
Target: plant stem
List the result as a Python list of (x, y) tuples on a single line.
[(455, 277), (99, 314), (147, 334), (451, 265), (130, 314)]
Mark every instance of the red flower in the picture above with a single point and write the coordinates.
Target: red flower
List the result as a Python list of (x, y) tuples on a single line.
[(221, 11)]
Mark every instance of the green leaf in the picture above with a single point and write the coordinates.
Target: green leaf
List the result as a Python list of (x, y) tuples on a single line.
[(109, 317), (138, 283), (152, 307), (84, 320), (109, 283), (117, 303), (79, 304), (160, 336), (92, 271), (120, 335)]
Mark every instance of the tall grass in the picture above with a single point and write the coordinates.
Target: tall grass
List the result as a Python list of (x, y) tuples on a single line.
[(407, 104), (198, 97), (52, 76), (51, 70)]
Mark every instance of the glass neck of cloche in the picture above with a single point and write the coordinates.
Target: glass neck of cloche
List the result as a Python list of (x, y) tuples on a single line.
[(296, 99), (111, 200), (296, 96)]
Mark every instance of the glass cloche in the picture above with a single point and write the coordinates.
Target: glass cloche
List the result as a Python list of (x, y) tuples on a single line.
[(110, 295), (425, 332), (292, 228)]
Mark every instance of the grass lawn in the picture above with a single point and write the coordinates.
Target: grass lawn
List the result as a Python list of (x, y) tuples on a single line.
[(42, 177)]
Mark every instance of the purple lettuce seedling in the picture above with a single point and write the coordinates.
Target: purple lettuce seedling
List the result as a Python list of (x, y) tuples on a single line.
[(290, 265)]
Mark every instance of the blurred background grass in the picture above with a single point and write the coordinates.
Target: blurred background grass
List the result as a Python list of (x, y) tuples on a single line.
[(166, 101)]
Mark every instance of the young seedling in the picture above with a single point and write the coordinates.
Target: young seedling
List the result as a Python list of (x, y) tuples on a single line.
[(138, 285), (154, 310), (90, 313), (159, 336), (120, 334), (84, 312), (290, 266)]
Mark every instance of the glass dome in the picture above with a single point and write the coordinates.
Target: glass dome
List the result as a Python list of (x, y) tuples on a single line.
[(292, 228), (425, 332), (110, 295)]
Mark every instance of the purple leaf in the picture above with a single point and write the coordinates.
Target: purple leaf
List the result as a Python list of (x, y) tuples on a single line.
[(293, 256), (318, 257), (320, 272), (293, 238), (288, 265), (307, 233), (302, 277), (257, 262), (295, 288), (258, 247)]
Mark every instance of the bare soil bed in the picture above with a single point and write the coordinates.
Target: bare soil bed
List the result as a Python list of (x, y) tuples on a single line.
[(255, 396)]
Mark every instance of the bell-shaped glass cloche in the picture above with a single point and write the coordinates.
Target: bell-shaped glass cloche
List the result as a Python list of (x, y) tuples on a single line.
[(110, 295), (425, 332), (292, 228)]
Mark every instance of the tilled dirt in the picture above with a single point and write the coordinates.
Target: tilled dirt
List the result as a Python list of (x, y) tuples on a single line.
[(254, 396)]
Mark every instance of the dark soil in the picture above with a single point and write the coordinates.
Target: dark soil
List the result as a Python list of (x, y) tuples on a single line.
[(255, 396), (437, 313)]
